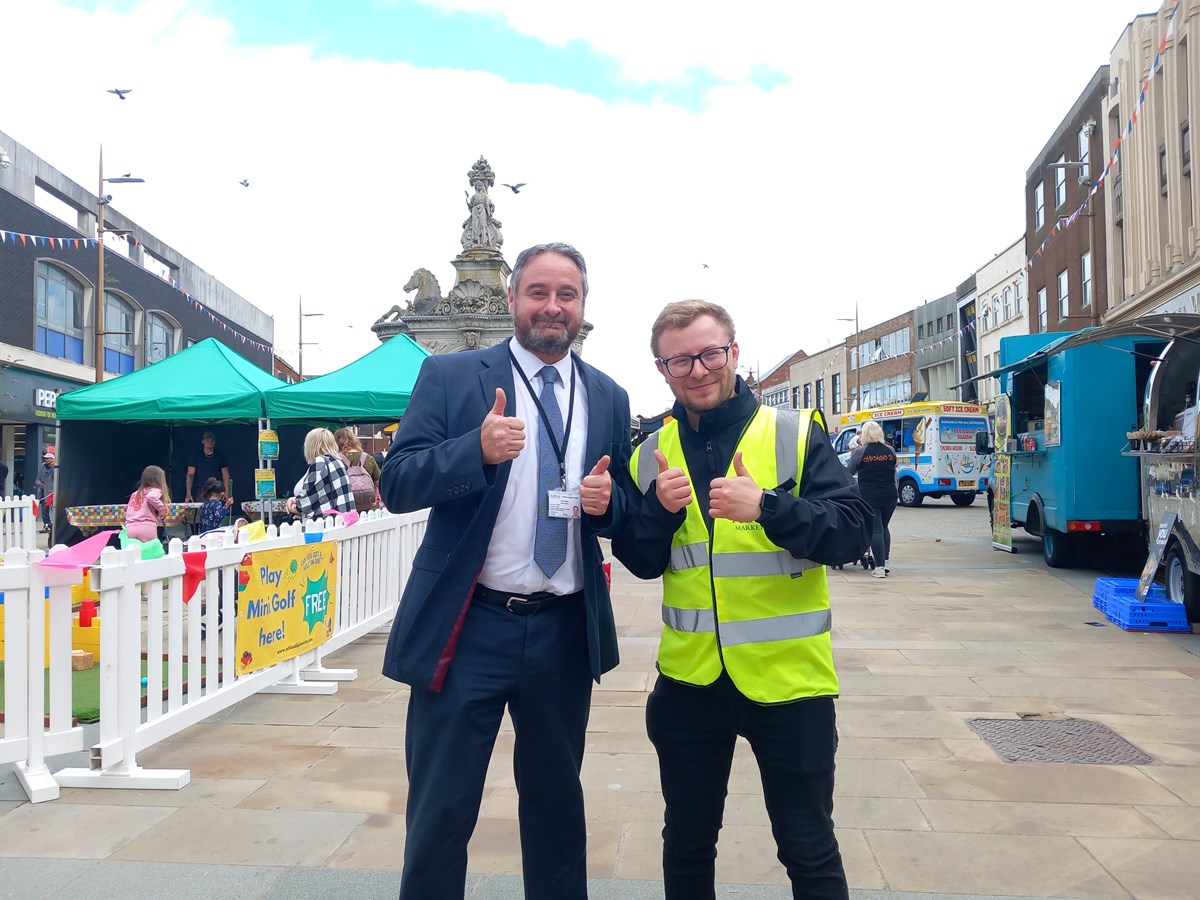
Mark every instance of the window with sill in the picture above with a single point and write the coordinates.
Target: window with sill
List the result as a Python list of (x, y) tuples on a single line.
[(118, 334), (161, 337), (60, 319)]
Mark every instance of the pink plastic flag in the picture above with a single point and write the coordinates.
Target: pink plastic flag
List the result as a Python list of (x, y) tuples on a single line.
[(85, 553)]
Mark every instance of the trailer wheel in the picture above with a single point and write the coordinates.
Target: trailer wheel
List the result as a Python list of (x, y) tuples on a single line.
[(1182, 585), (963, 498), (1058, 549), (909, 494)]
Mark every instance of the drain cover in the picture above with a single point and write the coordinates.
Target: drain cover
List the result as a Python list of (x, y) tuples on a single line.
[(1058, 740)]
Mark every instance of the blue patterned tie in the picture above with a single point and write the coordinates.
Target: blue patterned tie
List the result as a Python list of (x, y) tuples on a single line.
[(550, 541)]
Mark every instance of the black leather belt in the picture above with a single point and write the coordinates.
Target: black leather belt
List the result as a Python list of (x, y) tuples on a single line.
[(521, 604)]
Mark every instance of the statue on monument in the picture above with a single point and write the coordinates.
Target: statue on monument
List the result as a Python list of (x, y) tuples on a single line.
[(429, 293), (481, 230)]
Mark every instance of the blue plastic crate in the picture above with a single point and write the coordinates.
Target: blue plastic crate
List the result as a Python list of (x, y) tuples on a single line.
[(1153, 615), (1110, 590)]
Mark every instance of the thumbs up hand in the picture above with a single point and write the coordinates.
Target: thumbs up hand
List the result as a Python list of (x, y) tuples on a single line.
[(672, 486), (595, 491), (501, 437), (738, 498)]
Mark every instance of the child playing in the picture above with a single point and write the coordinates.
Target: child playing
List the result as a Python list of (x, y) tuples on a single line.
[(147, 505), (212, 513)]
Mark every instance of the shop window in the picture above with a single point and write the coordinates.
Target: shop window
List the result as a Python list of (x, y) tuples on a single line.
[(60, 321)]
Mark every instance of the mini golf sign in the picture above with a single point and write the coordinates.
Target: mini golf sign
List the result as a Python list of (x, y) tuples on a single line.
[(285, 603)]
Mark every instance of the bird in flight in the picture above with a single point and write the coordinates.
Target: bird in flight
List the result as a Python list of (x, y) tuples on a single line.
[(120, 92), (515, 188), (704, 264), (245, 182)]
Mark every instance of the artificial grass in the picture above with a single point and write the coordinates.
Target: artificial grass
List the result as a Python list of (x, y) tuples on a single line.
[(85, 691)]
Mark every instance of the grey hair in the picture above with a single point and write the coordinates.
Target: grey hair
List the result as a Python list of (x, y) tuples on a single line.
[(560, 247)]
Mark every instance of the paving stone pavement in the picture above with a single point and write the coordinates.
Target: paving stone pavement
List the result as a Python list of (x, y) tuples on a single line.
[(304, 796)]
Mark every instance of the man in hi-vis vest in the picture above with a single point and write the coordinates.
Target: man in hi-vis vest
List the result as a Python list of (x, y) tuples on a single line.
[(742, 507)]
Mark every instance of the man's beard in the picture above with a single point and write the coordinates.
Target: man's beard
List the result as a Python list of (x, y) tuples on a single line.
[(545, 341)]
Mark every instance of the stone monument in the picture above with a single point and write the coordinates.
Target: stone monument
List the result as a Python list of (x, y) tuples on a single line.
[(474, 313)]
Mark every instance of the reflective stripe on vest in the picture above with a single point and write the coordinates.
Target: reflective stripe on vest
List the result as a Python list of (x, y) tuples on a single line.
[(751, 631)]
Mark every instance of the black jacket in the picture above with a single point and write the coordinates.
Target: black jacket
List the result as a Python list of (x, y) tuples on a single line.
[(828, 523)]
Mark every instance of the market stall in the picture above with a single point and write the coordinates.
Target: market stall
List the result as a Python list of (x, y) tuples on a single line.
[(109, 432), (1165, 447)]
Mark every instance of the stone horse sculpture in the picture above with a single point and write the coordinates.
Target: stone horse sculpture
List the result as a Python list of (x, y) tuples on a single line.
[(429, 294)]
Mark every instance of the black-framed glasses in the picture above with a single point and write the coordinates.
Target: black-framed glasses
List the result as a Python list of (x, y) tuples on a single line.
[(681, 366)]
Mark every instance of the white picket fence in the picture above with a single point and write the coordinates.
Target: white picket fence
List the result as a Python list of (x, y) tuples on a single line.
[(18, 523), (374, 559)]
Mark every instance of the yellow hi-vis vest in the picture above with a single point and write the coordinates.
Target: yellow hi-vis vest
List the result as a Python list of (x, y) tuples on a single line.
[(733, 599)]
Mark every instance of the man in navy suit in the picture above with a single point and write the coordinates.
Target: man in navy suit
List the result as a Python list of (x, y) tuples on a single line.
[(507, 604)]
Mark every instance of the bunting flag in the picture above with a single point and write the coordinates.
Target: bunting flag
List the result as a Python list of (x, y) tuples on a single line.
[(1064, 223), (75, 243)]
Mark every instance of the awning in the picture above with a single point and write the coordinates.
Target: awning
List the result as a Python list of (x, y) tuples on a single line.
[(1166, 326)]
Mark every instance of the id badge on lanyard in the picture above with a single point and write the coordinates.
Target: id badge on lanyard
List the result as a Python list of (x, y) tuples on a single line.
[(564, 502)]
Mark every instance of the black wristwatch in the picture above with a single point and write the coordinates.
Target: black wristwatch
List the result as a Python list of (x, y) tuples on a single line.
[(768, 504)]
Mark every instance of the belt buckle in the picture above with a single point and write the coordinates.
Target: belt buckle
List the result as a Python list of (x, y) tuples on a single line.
[(522, 603)]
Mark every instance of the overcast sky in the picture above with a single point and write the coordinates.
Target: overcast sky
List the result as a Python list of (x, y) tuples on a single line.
[(811, 155)]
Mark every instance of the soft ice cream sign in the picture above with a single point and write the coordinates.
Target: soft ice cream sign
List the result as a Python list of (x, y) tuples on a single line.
[(285, 603)]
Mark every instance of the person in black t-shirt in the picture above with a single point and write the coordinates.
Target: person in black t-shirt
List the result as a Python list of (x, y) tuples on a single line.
[(874, 462), (206, 463)]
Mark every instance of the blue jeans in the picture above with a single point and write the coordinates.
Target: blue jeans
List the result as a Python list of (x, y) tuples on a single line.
[(694, 730)]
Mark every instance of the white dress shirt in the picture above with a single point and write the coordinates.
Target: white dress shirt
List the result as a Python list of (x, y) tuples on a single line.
[(509, 565)]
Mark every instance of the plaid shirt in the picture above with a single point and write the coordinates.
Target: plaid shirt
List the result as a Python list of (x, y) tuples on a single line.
[(324, 486)]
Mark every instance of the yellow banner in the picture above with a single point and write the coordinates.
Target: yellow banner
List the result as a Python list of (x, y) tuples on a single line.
[(1001, 512), (285, 603)]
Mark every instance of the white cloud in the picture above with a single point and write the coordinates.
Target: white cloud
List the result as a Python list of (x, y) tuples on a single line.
[(884, 173)]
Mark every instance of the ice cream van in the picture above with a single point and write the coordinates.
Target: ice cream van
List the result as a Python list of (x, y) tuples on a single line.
[(935, 448)]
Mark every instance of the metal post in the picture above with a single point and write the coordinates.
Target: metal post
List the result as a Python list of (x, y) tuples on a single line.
[(99, 295)]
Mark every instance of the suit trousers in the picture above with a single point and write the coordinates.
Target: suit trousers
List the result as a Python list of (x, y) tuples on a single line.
[(694, 730), (537, 666)]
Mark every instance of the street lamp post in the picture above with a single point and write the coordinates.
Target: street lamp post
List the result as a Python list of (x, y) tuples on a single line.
[(857, 361), (101, 200), (303, 316)]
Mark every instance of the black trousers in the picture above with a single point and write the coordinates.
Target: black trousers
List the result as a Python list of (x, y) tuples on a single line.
[(537, 666), (694, 730), (881, 537)]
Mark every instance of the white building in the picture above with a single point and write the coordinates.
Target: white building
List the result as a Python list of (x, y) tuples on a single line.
[(999, 309)]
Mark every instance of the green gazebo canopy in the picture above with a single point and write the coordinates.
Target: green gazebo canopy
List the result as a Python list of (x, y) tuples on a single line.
[(373, 388), (206, 383)]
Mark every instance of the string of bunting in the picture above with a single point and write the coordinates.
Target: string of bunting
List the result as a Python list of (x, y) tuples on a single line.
[(85, 243), (1066, 222)]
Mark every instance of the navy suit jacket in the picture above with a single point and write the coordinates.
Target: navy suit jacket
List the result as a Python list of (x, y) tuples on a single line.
[(436, 461)]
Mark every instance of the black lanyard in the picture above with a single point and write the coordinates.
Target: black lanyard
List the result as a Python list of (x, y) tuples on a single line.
[(559, 453)]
